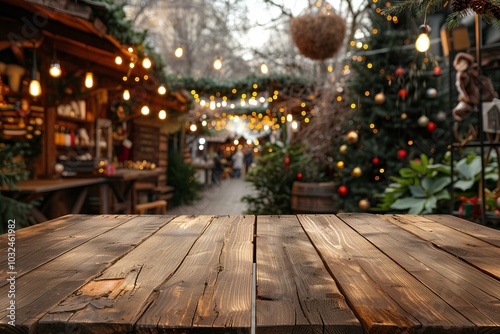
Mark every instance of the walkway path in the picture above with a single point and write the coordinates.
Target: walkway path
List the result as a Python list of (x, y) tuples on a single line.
[(223, 199)]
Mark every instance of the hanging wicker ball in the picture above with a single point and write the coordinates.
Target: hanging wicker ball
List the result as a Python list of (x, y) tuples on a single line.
[(318, 36)]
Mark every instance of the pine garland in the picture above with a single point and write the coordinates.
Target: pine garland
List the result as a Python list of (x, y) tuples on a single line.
[(489, 10)]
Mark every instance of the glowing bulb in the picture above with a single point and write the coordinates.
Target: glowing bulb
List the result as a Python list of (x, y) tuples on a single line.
[(162, 90), (202, 141), (35, 88), (146, 63), (264, 69), (162, 114), (193, 127), (126, 95), (236, 142), (218, 64), (55, 69), (118, 60), (289, 117), (423, 42), (89, 80), (295, 125), (145, 110), (179, 52)]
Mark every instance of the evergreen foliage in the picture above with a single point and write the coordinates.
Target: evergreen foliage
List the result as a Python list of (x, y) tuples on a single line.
[(273, 177), (388, 129), (182, 176)]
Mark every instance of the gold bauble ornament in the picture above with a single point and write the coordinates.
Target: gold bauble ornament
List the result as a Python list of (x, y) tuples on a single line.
[(356, 172), (404, 116), (352, 137), (343, 149), (340, 164), (380, 98), (364, 204)]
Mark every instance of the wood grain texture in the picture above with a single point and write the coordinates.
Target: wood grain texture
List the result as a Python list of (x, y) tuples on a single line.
[(475, 230), (481, 254), (39, 247), (472, 293), (295, 293), (382, 294), (40, 290), (211, 290)]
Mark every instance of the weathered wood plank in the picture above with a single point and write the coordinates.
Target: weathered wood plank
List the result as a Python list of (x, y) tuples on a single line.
[(475, 230), (40, 290), (474, 251), (125, 290), (384, 296), (211, 291), (469, 291), (295, 293), (38, 250)]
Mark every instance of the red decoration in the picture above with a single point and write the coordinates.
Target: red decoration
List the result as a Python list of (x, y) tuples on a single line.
[(343, 190), (431, 126), (402, 154), (437, 71), (299, 177), (400, 71), (287, 162), (403, 94), (375, 161)]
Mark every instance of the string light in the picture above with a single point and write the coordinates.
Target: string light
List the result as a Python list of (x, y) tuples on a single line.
[(89, 79), (218, 64), (146, 62), (35, 88), (145, 110), (423, 42), (179, 52)]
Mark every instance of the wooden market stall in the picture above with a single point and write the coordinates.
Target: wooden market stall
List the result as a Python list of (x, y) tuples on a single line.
[(73, 127)]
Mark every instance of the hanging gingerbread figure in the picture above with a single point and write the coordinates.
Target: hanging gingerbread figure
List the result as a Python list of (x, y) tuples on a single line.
[(468, 83)]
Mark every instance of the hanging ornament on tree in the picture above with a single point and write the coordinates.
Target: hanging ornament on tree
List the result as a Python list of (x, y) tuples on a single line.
[(400, 71), (404, 116), (340, 164), (437, 71), (287, 162), (441, 116), (375, 161), (423, 121), (402, 154), (431, 92), (403, 94), (342, 190), (364, 204), (356, 172), (299, 176), (431, 126), (380, 98), (343, 149), (352, 137)]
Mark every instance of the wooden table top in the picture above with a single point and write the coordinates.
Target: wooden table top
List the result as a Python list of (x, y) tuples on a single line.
[(47, 185), (344, 273)]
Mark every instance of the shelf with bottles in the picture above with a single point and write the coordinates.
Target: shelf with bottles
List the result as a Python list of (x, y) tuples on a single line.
[(70, 135)]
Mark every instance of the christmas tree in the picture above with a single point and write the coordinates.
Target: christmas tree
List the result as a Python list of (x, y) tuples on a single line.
[(399, 101)]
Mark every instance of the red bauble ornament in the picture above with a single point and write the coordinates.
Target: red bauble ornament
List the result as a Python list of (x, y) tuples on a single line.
[(299, 177), (400, 71), (431, 126), (402, 154), (375, 161), (343, 190), (287, 162), (437, 71), (403, 94)]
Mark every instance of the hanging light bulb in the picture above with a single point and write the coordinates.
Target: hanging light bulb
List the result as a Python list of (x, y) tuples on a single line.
[(162, 90), (423, 42), (118, 60), (89, 79), (162, 114), (179, 52), (126, 95), (146, 62), (145, 110), (218, 63), (264, 69), (55, 69), (35, 89)]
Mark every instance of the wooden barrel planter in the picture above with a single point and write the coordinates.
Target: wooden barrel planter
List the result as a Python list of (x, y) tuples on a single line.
[(313, 197)]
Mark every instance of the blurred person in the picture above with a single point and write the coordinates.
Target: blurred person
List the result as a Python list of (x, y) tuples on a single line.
[(237, 164)]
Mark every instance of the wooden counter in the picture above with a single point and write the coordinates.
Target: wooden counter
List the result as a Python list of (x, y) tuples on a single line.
[(345, 273)]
